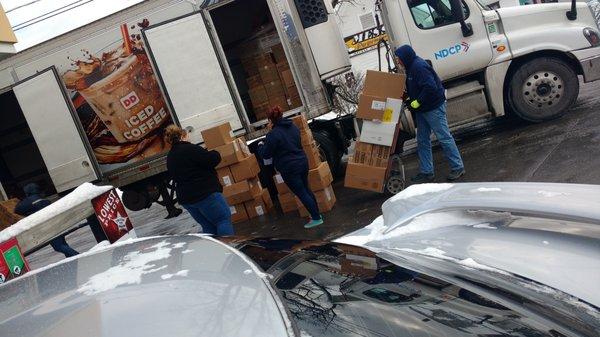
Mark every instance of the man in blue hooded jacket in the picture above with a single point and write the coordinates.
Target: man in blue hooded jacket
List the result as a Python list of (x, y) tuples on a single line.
[(33, 202), (427, 98)]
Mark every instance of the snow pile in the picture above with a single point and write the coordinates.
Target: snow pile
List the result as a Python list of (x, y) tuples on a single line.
[(551, 194), (420, 189), (485, 225), (181, 273), (129, 271), (595, 7), (99, 247), (486, 189), (82, 194), (377, 231), (468, 263)]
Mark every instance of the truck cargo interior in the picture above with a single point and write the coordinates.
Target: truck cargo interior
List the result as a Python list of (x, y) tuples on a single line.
[(254, 53), (20, 159)]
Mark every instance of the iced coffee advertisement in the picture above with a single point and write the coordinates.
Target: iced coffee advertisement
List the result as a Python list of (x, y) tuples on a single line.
[(118, 99)]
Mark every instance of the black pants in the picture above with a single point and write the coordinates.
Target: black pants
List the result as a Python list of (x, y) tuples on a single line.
[(297, 182), (60, 245)]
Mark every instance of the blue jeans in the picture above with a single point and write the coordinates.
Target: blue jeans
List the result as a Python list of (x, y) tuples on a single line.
[(297, 182), (60, 245), (213, 214), (435, 120)]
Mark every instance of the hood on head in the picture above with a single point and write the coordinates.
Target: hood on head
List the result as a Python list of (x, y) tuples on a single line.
[(31, 189), (406, 54)]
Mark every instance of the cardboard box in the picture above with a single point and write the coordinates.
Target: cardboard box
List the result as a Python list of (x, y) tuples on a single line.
[(242, 191), (269, 73), (254, 81), (379, 86), (312, 153), (255, 208), (258, 95), (217, 136), (278, 53), (264, 60), (282, 66), (238, 213), (287, 78), (365, 177), (266, 198), (362, 152), (325, 200), (306, 137), (250, 66), (282, 188), (225, 176), (380, 156), (320, 177), (378, 133), (294, 102), (280, 101), (232, 153), (274, 89), (300, 122), (261, 110), (8, 216), (247, 168), (288, 202), (384, 84)]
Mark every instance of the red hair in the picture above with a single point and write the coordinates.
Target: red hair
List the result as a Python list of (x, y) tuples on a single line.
[(275, 114)]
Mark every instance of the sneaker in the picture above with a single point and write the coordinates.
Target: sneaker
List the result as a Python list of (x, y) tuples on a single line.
[(455, 174), (314, 223), (422, 178)]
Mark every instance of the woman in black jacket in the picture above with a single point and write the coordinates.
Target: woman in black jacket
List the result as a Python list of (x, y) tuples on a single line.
[(198, 188)]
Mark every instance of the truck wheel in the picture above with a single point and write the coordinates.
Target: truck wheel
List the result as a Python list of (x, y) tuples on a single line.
[(543, 89), (328, 151)]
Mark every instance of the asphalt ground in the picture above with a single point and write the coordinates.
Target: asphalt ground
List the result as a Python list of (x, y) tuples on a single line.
[(566, 150)]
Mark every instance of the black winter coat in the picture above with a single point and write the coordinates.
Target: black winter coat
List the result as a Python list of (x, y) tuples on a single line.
[(33, 201), (193, 169), (284, 145)]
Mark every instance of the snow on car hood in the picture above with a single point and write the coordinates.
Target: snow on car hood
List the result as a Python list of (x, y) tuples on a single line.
[(474, 226), (595, 7)]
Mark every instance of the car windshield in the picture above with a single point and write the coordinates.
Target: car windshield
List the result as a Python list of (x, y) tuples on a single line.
[(339, 290)]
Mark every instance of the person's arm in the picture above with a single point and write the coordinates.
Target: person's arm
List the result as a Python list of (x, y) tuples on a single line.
[(22, 208), (427, 85), (268, 146), (204, 158)]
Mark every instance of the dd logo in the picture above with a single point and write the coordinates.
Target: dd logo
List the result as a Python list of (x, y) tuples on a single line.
[(130, 100)]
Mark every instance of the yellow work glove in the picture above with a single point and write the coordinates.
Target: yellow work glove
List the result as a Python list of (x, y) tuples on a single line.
[(415, 104)]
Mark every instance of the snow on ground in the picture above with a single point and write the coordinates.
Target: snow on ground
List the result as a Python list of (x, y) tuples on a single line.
[(83, 193), (420, 189), (129, 271), (485, 225)]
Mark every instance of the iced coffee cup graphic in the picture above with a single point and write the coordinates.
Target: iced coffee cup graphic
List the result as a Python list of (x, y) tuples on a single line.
[(121, 88)]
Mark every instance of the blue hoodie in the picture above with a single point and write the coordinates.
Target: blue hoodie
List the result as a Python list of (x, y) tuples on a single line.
[(422, 83), (284, 146), (33, 202)]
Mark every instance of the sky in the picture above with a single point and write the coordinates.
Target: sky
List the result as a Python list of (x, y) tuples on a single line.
[(40, 20)]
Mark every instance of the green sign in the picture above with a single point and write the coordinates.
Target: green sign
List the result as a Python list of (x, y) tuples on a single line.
[(15, 261)]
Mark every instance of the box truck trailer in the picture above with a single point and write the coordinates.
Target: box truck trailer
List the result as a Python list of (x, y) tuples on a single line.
[(91, 105)]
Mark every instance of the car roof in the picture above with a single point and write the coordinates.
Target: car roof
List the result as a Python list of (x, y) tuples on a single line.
[(164, 286)]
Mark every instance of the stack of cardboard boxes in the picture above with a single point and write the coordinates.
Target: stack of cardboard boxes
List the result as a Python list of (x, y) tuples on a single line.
[(270, 81), (380, 106), (7, 214), (319, 176), (238, 173)]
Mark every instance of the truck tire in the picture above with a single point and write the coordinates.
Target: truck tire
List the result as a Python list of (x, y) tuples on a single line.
[(543, 89), (328, 151)]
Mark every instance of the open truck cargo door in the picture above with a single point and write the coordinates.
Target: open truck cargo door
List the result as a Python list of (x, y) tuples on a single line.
[(53, 125), (191, 75)]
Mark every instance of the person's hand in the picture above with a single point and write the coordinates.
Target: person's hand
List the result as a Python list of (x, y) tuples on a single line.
[(415, 104)]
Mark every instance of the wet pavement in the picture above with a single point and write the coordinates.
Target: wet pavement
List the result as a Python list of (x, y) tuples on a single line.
[(566, 150)]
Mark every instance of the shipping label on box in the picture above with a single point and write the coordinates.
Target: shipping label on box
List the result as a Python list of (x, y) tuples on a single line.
[(370, 107), (238, 213), (255, 208), (225, 176), (378, 133)]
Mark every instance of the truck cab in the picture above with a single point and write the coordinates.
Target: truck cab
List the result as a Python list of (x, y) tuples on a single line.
[(523, 59)]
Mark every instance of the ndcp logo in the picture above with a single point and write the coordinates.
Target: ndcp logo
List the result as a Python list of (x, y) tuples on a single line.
[(456, 49), (130, 100)]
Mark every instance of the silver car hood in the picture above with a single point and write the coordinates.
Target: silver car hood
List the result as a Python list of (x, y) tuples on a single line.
[(473, 226), (170, 286)]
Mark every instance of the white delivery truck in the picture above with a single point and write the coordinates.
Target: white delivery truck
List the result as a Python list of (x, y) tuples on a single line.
[(91, 105), (523, 59)]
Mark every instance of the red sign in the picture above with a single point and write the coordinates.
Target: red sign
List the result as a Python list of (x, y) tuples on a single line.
[(112, 215), (12, 261)]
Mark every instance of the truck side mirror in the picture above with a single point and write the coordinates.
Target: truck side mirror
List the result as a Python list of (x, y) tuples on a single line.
[(459, 16)]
